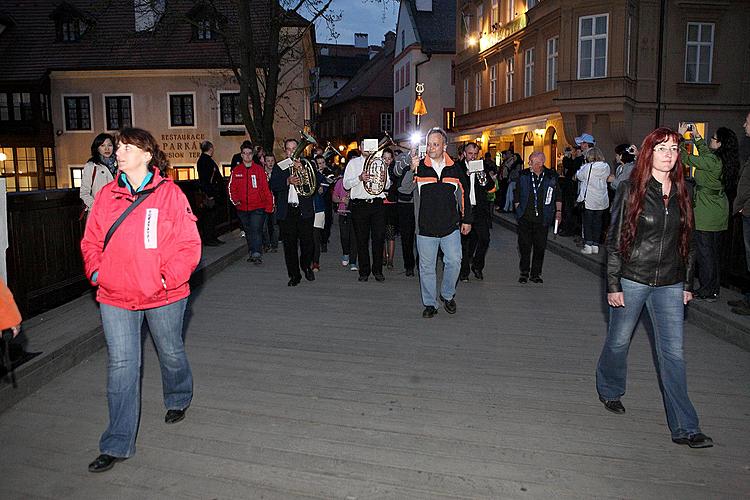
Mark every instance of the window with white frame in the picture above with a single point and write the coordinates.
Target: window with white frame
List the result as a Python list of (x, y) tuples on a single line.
[(528, 72), (493, 85), (229, 109), (592, 46), (509, 70), (386, 122), (699, 52), (118, 111), (480, 16), (77, 112), (465, 107), (494, 14), (181, 111), (478, 91), (531, 3), (552, 52)]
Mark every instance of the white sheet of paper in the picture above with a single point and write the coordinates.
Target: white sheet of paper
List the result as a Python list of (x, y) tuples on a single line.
[(285, 164), (475, 166)]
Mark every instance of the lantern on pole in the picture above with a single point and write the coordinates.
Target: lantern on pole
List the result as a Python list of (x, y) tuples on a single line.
[(419, 106)]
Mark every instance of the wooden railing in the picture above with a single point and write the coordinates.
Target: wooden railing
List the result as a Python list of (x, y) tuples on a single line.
[(44, 262)]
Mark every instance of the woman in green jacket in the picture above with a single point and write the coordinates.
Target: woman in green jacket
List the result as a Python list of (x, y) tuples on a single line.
[(713, 177)]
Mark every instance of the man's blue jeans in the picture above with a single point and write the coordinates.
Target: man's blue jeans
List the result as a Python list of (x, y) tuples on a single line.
[(666, 311), (427, 247), (122, 331), (252, 222)]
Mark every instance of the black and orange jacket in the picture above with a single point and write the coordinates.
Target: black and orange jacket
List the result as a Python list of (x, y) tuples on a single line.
[(441, 204)]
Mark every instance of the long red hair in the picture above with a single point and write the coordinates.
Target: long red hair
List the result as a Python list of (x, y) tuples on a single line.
[(639, 179)]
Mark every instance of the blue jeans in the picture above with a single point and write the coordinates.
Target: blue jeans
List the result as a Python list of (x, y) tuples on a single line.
[(122, 331), (427, 247), (252, 223), (270, 231), (666, 311)]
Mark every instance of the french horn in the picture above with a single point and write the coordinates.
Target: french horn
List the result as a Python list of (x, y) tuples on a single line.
[(306, 173)]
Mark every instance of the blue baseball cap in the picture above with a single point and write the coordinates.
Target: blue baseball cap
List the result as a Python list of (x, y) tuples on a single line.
[(585, 138)]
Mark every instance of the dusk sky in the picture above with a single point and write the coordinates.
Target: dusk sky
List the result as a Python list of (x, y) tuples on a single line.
[(361, 16)]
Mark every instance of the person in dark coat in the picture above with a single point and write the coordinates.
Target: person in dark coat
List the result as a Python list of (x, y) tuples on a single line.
[(212, 188)]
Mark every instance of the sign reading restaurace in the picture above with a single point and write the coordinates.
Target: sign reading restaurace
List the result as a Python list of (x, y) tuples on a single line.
[(182, 146)]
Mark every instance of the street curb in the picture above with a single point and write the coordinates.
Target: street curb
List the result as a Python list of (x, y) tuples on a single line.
[(39, 371), (698, 314)]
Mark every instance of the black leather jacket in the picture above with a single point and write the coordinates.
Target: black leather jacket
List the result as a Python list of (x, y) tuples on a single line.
[(654, 259)]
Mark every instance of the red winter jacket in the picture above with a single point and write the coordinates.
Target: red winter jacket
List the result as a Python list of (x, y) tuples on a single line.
[(151, 256), (248, 188)]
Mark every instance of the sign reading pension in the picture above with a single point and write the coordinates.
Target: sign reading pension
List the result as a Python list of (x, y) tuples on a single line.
[(182, 146)]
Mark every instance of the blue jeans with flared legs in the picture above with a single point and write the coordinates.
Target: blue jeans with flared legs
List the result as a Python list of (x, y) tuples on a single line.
[(666, 310), (122, 331)]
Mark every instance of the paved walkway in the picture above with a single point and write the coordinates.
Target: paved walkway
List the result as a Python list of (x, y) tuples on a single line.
[(339, 389)]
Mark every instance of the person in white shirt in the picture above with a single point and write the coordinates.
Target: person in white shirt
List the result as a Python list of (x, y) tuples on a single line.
[(593, 194), (368, 217)]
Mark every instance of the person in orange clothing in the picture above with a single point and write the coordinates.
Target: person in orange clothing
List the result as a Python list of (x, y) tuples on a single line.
[(10, 317)]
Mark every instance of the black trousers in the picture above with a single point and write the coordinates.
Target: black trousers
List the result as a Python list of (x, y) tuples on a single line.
[(369, 225), (348, 238), (209, 218), (474, 245), (297, 232), (707, 259), (407, 229), (532, 236)]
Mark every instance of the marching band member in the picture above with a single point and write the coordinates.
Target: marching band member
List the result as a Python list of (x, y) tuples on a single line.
[(368, 216), (295, 219), (476, 243)]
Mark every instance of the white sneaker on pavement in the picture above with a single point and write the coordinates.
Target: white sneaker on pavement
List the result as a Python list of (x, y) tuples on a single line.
[(587, 250), (594, 249)]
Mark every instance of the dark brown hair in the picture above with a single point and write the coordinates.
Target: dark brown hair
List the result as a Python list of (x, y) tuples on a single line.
[(145, 141)]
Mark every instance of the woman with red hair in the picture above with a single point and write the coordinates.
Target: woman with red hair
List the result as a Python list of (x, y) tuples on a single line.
[(650, 263)]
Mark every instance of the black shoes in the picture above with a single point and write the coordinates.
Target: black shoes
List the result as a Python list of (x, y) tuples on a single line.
[(708, 297), (463, 278), (478, 274), (362, 278), (294, 281), (615, 406), (103, 463), (523, 279), (379, 277), (174, 416), (309, 274), (699, 440), (536, 279), (449, 305), (409, 272), (429, 312)]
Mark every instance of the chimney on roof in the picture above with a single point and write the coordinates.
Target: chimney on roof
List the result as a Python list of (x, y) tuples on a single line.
[(360, 40), (424, 5)]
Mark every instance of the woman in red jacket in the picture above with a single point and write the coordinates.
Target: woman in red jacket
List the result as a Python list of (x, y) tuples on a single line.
[(141, 265)]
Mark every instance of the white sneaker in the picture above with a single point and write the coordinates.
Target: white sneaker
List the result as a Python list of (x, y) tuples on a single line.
[(587, 249), (345, 260), (354, 268), (242, 234), (594, 248)]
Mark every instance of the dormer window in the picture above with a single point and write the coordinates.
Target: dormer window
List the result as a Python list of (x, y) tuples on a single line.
[(206, 22), (70, 23)]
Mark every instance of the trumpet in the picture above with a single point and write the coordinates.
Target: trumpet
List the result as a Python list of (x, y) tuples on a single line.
[(376, 168), (306, 173)]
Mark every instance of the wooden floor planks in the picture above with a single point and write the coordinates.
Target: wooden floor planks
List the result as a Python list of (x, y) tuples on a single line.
[(339, 389)]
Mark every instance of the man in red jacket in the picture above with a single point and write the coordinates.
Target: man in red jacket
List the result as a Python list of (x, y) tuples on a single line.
[(249, 192)]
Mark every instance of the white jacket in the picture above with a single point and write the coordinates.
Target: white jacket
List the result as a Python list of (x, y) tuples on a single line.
[(596, 192), (100, 179)]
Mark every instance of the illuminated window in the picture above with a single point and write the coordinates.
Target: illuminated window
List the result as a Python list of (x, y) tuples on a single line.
[(493, 85), (509, 69), (528, 73), (552, 54)]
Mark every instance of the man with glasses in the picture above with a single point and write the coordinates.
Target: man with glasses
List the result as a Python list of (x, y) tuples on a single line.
[(443, 213)]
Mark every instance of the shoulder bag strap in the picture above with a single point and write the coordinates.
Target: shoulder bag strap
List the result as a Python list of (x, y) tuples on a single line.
[(585, 191), (127, 212)]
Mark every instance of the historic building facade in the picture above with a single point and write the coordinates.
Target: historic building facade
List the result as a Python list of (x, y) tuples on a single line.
[(72, 72), (533, 75)]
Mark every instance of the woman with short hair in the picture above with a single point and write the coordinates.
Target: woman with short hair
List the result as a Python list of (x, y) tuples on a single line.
[(592, 193)]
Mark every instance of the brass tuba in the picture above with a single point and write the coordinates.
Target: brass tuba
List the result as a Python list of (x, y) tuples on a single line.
[(307, 173), (376, 168)]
